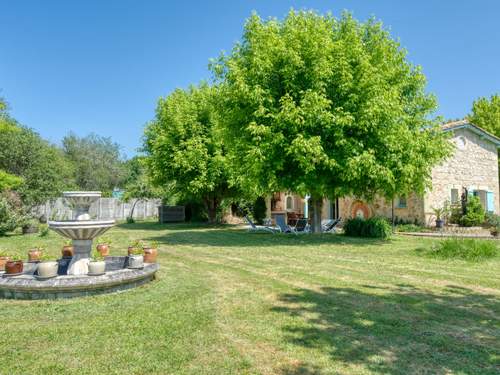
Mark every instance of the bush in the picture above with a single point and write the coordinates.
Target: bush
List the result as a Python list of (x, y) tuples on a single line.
[(474, 213), (464, 248), (375, 227), (9, 220), (259, 210)]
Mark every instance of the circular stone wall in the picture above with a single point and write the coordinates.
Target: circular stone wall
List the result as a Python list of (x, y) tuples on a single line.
[(116, 278)]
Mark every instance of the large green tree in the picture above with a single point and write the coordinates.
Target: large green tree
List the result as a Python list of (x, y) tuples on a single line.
[(97, 160), (41, 166), (185, 149), (486, 114), (326, 106)]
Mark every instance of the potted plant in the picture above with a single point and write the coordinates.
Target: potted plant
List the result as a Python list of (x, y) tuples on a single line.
[(133, 247), (35, 254), (4, 257), (103, 246), (439, 213), (135, 257), (47, 267), (97, 265), (67, 250), (14, 266), (150, 252)]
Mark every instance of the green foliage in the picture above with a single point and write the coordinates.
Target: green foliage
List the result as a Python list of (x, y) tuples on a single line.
[(185, 149), (463, 248), (486, 114), (410, 228), (9, 218), (41, 166), (474, 214), (376, 227), (326, 106), (130, 220), (259, 210), (138, 184), (97, 161), (9, 181), (96, 256), (47, 257), (44, 230)]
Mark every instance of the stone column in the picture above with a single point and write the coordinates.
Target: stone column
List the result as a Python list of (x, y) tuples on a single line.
[(79, 264)]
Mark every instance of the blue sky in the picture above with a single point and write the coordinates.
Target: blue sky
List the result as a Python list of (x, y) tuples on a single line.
[(100, 66)]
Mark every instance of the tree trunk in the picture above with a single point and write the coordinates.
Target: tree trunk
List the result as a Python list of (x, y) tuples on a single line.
[(131, 213), (392, 213), (211, 204), (316, 208)]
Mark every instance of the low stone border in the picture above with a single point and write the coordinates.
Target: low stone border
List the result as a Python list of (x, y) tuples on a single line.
[(447, 235), (116, 278)]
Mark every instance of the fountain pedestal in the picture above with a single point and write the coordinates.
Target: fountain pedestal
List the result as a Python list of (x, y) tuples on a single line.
[(79, 264), (82, 230)]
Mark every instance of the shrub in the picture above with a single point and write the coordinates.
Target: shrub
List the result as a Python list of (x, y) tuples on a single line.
[(474, 213), (259, 210), (375, 227), (9, 220), (464, 248), (130, 220), (44, 230)]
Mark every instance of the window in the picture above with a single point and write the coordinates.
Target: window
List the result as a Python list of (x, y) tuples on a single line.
[(401, 202), (289, 203), (454, 196), (490, 202)]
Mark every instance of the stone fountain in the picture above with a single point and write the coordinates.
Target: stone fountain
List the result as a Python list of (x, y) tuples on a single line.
[(82, 229)]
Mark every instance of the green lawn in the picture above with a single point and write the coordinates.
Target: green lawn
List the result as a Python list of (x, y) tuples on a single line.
[(230, 302)]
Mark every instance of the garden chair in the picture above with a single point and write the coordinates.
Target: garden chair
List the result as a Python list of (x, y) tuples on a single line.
[(302, 226), (282, 225), (331, 226), (255, 228)]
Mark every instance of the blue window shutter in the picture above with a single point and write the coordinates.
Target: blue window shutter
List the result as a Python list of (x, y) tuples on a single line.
[(490, 201)]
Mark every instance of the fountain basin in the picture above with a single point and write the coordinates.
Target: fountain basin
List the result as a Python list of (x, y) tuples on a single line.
[(81, 229), (117, 278)]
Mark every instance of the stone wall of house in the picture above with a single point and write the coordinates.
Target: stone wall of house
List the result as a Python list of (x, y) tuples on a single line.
[(413, 212), (474, 165)]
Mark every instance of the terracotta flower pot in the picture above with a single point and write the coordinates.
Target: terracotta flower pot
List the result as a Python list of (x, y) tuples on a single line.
[(34, 255), (14, 266), (67, 251), (3, 260), (150, 254), (103, 249)]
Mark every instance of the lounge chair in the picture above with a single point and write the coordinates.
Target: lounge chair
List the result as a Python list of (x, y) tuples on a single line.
[(256, 228), (301, 226), (331, 226), (282, 225)]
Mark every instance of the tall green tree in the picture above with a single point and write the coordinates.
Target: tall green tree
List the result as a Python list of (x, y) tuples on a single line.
[(486, 114), (326, 106), (41, 166), (97, 161), (185, 149)]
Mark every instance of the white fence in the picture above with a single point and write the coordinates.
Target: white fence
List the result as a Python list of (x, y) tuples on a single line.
[(105, 208)]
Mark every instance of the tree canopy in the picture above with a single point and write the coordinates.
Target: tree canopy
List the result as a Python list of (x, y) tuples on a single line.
[(98, 162), (185, 149), (326, 106), (486, 114), (40, 166)]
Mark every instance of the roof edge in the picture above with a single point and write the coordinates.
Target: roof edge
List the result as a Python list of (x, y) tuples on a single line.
[(466, 124)]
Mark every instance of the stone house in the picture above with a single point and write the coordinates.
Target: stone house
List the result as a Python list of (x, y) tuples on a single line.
[(473, 166)]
